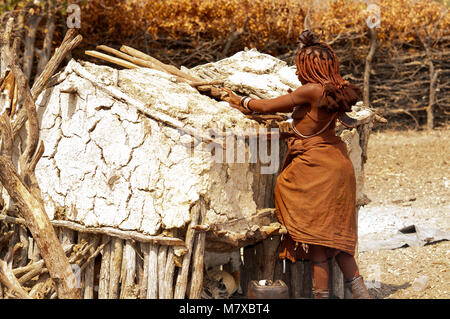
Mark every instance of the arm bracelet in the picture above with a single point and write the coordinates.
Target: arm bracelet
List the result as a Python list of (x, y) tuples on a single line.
[(244, 103)]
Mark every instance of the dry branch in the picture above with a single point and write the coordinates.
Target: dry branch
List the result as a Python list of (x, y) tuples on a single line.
[(10, 281), (25, 191), (373, 44)]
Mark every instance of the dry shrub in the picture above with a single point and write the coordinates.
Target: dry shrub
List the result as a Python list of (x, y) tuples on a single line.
[(270, 22)]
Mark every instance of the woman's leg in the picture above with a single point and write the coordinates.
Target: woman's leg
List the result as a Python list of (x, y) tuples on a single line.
[(320, 271), (347, 264), (353, 279)]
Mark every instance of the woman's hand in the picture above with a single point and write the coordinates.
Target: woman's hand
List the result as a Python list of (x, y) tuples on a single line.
[(234, 100)]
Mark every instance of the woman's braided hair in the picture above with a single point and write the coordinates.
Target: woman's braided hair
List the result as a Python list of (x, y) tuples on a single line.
[(317, 63)]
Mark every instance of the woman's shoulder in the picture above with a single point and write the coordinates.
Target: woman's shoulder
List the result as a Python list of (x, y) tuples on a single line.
[(311, 91)]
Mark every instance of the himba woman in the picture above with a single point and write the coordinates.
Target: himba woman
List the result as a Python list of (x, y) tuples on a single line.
[(315, 192)]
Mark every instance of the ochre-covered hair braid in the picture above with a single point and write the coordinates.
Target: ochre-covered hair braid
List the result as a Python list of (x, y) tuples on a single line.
[(317, 63)]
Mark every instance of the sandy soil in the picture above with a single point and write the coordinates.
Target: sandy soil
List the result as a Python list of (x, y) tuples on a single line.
[(408, 181)]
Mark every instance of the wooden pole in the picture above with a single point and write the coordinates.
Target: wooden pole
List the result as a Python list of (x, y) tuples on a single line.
[(168, 68), (129, 258), (337, 279), (115, 267), (103, 287), (182, 279), (296, 279), (198, 257), (373, 45), (162, 256), (170, 270), (144, 282), (307, 280), (89, 274), (152, 286), (111, 59), (44, 55), (270, 248)]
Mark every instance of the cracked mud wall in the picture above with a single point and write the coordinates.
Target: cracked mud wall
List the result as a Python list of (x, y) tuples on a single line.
[(107, 164)]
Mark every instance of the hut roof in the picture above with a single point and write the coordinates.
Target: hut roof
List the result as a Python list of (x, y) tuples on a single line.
[(120, 149)]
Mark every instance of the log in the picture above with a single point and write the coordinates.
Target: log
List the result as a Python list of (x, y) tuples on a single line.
[(42, 288), (129, 259), (36, 265), (152, 286), (103, 286), (162, 254), (115, 267), (182, 279), (66, 237), (213, 91), (198, 258)]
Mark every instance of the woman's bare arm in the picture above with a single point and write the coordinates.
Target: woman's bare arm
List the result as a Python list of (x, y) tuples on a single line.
[(283, 104)]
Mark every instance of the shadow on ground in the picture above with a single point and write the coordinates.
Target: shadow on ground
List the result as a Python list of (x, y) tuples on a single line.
[(382, 290)]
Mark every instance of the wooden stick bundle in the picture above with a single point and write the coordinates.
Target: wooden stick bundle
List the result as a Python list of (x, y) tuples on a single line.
[(110, 231), (130, 58)]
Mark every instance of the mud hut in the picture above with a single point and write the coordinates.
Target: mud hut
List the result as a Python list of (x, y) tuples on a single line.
[(149, 182)]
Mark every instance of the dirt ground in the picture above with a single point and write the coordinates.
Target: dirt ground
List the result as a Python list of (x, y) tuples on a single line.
[(409, 169)]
